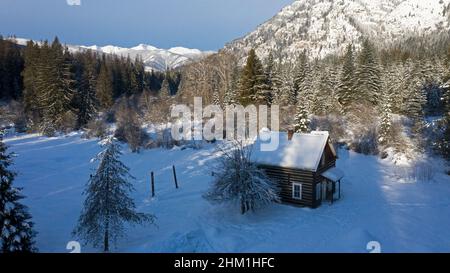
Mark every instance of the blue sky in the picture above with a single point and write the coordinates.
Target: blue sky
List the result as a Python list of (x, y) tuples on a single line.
[(203, 24)]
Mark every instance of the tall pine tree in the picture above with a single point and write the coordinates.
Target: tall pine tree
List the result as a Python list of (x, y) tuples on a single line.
[(443, 144), (346, 86), (302, 121), (108, 205), (253, 84), (104, 88), (16, 227), (30, 72), (368, 75), (87, 99), (55, 89), (386, 117)]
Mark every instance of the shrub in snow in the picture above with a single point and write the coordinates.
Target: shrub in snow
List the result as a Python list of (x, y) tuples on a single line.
[(366, 142), (96, 128), (423, 171), (16, 228), (108, 205), (418, 171), (237, 180), (129, 127)]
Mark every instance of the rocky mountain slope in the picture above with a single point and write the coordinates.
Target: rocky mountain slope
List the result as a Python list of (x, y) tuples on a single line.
[(328, 26)]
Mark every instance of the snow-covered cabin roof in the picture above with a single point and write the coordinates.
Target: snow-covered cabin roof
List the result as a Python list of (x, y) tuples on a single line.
[(333, 174), (303, 152)]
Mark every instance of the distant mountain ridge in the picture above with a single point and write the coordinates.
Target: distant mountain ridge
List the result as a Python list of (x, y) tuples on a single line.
[(153, 58), (324, 27)]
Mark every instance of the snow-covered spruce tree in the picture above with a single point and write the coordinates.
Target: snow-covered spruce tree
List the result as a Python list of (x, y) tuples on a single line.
[(164, 92), (108, 206), (16, 227), (282, 86), (323, 101), (301, 73), (270, 68), (306, 87), (86, 95), (277, 83), (216, 94), (104, 88), (368, 75), (443, 144), (263, 92), (302, 121), (253, 87), (231, 96), (55, 84), (346, 86), (393, 82), (216, 97), (415, 98), (386, 118), (238, 180)]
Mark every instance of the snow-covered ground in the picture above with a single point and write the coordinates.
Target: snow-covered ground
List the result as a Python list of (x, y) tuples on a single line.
[(375, 206)]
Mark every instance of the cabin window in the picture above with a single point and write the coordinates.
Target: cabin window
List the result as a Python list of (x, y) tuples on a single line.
[(297, 191)]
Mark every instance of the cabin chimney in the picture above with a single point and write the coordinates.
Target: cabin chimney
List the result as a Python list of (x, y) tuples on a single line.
[(290, 134)]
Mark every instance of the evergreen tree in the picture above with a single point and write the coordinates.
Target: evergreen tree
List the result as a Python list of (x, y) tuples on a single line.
[(323, 84), (138, 73), (302, 121), (443, 144), (301, 76), (104, 88), (346, 86), (231, 96), (87, 99), (415, 98), (216, 97), (386, 117), (55, 89), (368, 75), (216, 93), (394, 84), (253, 85), (165, 92), (284, 86), (30, 72), (277, 85), (269, 73), (11, 66), (304, 84), (16, 227), (108, 205)]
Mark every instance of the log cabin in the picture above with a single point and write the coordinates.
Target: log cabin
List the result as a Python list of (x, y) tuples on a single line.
[(303, 166)]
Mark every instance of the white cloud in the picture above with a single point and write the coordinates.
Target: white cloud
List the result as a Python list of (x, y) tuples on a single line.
[(73, 2)]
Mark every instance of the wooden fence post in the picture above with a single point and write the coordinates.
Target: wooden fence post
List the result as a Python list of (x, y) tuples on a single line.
[(153, 184), (175, 176)]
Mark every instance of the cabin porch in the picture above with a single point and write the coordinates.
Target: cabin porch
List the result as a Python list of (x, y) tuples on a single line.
[(331, 185)]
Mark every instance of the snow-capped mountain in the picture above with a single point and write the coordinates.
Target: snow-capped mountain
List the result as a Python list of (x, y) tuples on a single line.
[(328, 26), (153, 58)]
